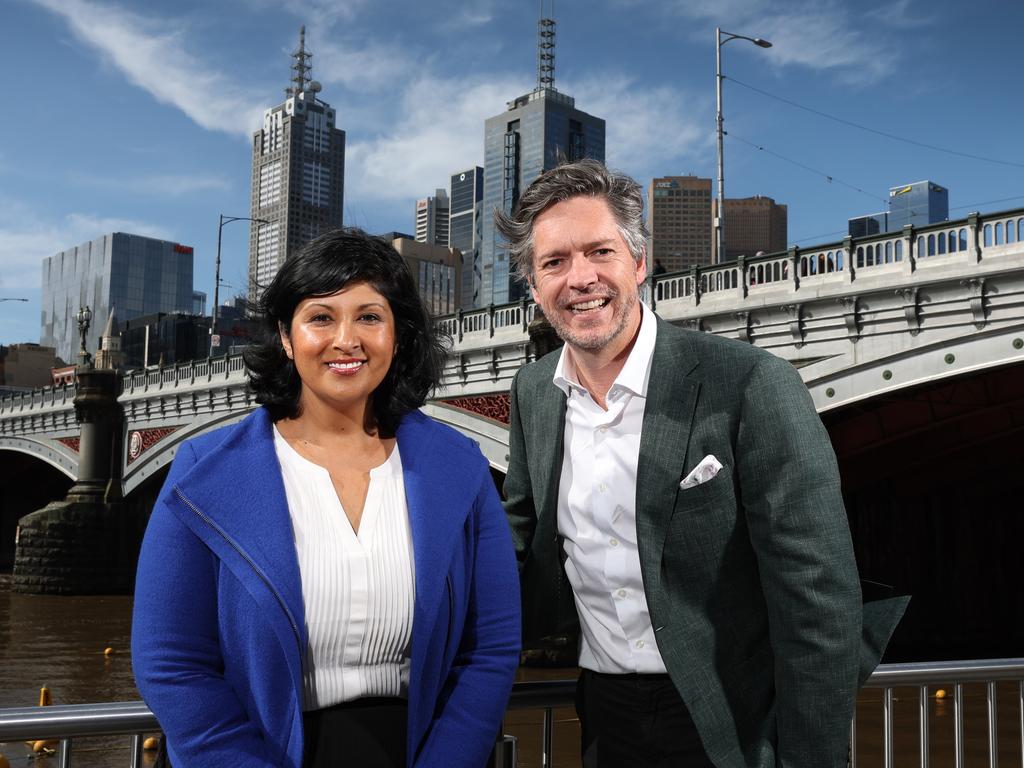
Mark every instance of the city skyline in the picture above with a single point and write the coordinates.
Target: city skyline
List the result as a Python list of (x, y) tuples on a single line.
[(118, 94)]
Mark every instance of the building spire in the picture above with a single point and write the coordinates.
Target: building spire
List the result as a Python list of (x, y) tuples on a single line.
[(546, 48), (301, 67)]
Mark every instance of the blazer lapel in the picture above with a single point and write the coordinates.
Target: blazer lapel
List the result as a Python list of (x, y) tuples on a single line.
[(668, 420), (545, 437)]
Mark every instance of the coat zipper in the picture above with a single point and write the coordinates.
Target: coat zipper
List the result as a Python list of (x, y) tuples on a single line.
[(259, 572)]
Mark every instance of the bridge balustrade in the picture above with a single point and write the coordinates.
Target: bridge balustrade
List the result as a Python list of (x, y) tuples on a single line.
[(767, 271), (43, 397), (1003, 232)]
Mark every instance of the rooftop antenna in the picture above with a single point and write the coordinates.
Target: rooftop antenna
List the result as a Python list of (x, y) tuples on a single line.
[(546, 49), (301, 67)]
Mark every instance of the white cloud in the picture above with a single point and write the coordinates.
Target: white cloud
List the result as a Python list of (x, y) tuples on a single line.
[(651, 131), (159, 185), (317, 12), (153, 54), (819, 34), (26, 239), (426, 143), (368, 66)]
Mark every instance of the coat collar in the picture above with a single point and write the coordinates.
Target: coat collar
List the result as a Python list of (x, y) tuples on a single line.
[(668, 421)]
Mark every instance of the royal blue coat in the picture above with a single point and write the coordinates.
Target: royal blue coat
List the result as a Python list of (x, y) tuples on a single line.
[(218, 634)]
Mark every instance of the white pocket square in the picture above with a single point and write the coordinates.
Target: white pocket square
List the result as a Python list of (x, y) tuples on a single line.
[(703, 472)]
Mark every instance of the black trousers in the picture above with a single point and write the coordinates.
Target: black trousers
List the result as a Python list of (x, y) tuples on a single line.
[(636, 721), (369, 733)]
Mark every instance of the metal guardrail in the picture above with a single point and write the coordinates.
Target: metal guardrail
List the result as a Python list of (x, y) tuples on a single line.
[(134, 718)]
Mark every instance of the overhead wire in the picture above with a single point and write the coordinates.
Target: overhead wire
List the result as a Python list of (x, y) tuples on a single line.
[(827, 176), (887, 135)]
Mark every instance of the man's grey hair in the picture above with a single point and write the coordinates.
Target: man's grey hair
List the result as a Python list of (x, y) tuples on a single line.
[(584, 178)]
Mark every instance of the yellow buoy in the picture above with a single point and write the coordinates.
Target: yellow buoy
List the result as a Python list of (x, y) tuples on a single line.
[(4, 762), (45, 699), (151, 744), (108, 652), (940, 694)]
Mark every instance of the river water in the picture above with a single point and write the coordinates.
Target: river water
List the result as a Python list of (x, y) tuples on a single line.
[(59, 642)]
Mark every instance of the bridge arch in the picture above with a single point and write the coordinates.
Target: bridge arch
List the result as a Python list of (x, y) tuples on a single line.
[(933, 487), (159, 458), (30, 481)]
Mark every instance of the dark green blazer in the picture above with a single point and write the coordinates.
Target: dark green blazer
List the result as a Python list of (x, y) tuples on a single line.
[(750, 577)]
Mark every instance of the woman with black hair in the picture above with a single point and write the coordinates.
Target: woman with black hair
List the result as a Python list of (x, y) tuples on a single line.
[(331, 581)]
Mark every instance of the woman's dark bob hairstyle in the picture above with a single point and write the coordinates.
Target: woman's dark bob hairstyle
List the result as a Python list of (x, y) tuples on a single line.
[(321, 268)]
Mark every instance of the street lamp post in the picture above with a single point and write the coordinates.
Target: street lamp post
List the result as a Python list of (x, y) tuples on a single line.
[(216, 277), (721, 38)]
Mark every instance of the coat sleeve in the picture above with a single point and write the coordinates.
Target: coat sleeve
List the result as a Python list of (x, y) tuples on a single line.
[(476, 691), (519, 503), (790, 489), (176, 653)]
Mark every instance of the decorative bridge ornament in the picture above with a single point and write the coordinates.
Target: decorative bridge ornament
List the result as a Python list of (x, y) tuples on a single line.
[(858, 317)]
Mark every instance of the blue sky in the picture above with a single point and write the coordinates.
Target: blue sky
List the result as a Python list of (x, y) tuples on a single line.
[(137, 116)]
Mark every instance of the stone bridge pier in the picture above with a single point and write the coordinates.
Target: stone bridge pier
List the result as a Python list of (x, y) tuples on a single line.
[(85, 543)]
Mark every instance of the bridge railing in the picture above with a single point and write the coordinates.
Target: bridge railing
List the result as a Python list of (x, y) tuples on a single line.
[(191, 372), (65, 723), (756, 277), (44, 397)]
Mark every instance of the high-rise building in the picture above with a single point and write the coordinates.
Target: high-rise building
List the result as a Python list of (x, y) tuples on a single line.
[(920, 203), (538, 131), (298, 174), (435, 269), (679, 220), (432, 219), (26, 366), (465, 229), (198, 302), (752, 224), (137, 275)]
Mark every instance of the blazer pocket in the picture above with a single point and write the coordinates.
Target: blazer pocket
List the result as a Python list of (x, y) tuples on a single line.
[(717, 489)]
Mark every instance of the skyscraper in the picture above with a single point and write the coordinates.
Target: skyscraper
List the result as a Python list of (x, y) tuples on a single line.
[(920, 203), (756, 223), (131, 274), (679, 219), (298, 174), (432, 219), (465, 229), (536, 132)]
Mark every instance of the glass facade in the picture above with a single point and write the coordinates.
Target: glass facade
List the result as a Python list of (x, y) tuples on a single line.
[(920, 203), (466, 195), (539, 130), (131, 274)]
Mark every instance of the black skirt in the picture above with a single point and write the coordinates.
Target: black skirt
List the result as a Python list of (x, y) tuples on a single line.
[(369, 733)]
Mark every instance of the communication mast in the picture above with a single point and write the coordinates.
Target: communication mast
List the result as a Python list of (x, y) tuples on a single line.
[(546, 48)]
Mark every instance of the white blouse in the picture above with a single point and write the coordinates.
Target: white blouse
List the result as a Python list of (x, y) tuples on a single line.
[(358, 589)]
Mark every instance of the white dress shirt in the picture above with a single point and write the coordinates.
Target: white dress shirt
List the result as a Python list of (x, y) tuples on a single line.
[(358, 589), (597, 512)]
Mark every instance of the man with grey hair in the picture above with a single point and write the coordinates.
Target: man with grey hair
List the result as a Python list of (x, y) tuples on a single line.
[(675, 499)]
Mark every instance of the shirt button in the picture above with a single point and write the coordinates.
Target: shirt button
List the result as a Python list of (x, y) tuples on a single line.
[(621, 593), (639, 643), (602, 487), (613, 542), (604, 428)]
